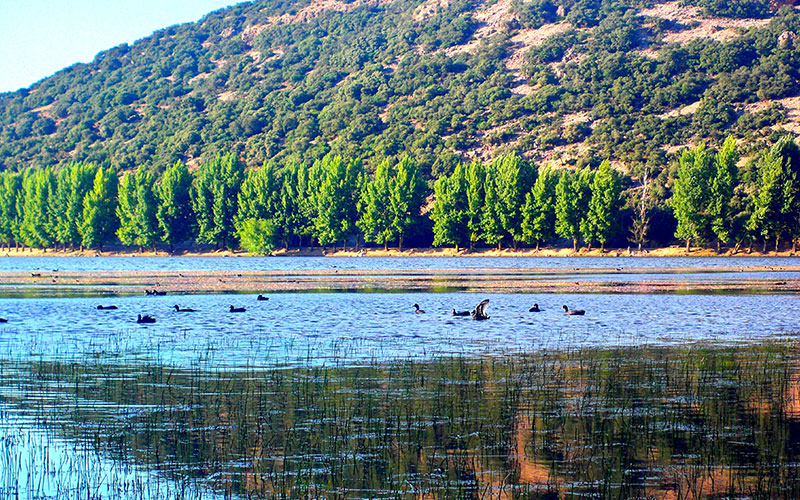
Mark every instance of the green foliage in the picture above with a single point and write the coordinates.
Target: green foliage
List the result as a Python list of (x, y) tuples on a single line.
[(257, 236), (538, 213), (602, 219), (215, 192), (99, 210), (38, 226), (10, 207), (450, 209), (174, 214), (73, 183), (691, 197), (513, 178), (722, 191), (137, 208), (335, 194)]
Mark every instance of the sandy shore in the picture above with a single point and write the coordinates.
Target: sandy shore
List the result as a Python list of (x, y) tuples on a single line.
[(609, 280), (672, 251)]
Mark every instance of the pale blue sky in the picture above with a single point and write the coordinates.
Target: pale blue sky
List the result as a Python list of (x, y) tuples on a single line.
[(40, 37)]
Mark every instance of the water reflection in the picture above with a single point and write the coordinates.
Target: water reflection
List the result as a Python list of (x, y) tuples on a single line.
[(29, 264), (665, 422)]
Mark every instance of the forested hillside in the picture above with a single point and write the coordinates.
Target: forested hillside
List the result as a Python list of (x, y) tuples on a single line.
[(443, 81), (448, 121)]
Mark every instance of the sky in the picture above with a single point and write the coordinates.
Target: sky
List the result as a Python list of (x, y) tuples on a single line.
[(40, 37)]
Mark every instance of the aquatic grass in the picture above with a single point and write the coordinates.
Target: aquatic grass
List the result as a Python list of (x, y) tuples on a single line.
[(614, 423)]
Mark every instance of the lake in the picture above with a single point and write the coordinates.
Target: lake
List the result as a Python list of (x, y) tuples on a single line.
[(352, 395)]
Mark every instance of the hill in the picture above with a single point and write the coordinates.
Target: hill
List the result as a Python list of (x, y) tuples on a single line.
[(565, 81)]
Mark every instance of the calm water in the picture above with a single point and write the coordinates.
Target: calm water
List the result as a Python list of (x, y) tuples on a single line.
[(353, 327), (352, 395), (27, 264)]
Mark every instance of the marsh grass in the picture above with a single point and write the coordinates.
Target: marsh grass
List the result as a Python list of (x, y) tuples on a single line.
[(681, 423)]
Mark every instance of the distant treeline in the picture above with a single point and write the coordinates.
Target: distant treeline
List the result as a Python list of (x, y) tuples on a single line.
[(706, 200)]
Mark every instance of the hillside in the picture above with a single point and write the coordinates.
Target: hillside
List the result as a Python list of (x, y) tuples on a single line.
[(565, 81)]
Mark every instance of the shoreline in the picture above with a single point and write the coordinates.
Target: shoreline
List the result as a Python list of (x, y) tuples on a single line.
[(672, 251)]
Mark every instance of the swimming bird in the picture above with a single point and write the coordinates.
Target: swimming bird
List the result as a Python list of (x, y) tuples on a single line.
[(106, 308), (460, 313), (145, 319), (261, 297), (479, 313), (237, 309), (534, 309), (573, 312), (3, 320), (185, 310), (418, 310)]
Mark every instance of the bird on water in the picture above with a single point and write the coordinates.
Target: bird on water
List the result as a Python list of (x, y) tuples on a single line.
[(573, 312), (261, 297), (237, 309), (145, 319), (183, 310), (418, 310), (106, 308), (460, 313), (479, 313), (534, 309)]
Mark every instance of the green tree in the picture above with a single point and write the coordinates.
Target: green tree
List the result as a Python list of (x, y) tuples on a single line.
[(37, 228), (257, 236), (539, 211), (215, 192), (375, 220), (407, 196), (336, 199), (450, 209), (568, 213), (691, 195), (137, 208), (513, 179), (604, 205), (174, 214), (10, 198), (100, 221), (476, 196), (722, 191), (491, 225), (73, 183)]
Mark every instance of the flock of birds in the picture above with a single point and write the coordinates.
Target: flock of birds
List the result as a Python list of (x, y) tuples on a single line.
[(479, 313), (148, 319)]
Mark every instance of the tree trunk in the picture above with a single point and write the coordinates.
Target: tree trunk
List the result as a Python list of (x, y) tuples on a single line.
[(777, 243), (589, 245), (688, 242), (385, 245), (456, 247), (400, 244), (537, 246), (764, 248), (640, 247), (499, 245), (574, 244), (719, 245), (602, 247)]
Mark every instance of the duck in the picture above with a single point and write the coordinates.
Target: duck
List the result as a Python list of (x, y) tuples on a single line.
[(479, 313), (418, 310), (237, 309), (460, 313), (573, 312), (534, 309), (261, 297), (106, 308), (145, 319), (185, 310), (3, 320)]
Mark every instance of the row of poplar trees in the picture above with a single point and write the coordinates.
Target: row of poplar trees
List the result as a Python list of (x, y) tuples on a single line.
[(221, 204)]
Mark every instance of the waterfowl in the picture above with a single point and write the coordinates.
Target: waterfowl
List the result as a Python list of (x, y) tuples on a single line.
[(573, 312), (261, 297), (534, 309), (185, 310), (3, 320), (156, 292), (237, 309), (460, 313), (479, 313), (106, 308), (418, 310), (145, 319)]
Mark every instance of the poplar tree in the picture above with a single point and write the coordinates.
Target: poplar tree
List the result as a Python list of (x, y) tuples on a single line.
[(137, 209), (99, 210), (174, 214), (722, 189), (691, 195), (336, 199), (476, 196), (450, 209), (37, 228), (568, 214), (375, 221), (72, 185), (604, 205), (538, 213), (407, 196), (215, 193), (513, 179), (10, 199), (492, 227)]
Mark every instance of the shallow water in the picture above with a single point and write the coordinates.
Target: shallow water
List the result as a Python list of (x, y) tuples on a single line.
[(358, 327), (29, 264)]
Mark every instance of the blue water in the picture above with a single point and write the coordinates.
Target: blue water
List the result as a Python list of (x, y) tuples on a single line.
[(28, 264), (336, 328)]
